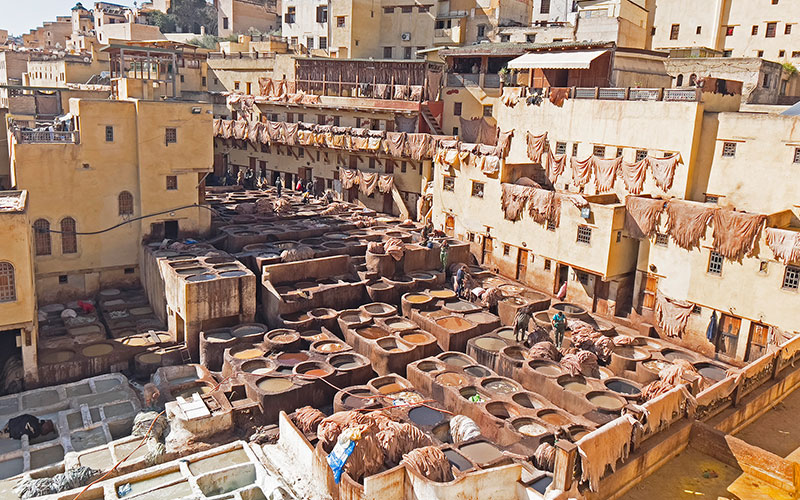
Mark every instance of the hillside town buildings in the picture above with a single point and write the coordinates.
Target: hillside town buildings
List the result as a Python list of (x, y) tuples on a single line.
[(471, 249)]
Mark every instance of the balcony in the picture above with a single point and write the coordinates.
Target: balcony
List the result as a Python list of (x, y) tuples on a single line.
[(463, 79), (46, 137), (448, 36)]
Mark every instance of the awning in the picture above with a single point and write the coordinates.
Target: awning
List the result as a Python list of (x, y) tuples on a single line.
[(556, 60)]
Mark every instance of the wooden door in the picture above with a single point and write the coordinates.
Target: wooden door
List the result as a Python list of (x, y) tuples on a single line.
[(522, 264), (757, 346), (449, 225), (649, 292), (486, 250), (728, 337)]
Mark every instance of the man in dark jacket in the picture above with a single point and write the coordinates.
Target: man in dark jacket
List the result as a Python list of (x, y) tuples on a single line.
[(28, 425)]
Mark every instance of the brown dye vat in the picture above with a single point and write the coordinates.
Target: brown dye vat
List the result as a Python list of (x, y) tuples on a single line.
[(506, 333), (400, 324), (282, 338), (321, 312), (329, 346), (515, 352), (256, 367), (428, 366), (468, 392), (632, 352), (553, 417), (456, 360), (422, 415), (345, 361), (392, 345), (313, 335), (244, 330), (358, 399), (481, 452), (501, 410), (527, 400), (415, 338), (711, 371), (578, 431), (453, 323), (577, 385), (606, 401), (379, 309), (372, 332), (95, 350), (296, 317), (417, 298), (499, 386), (442, 294), (292, 358), (391, 388), (451, 379), (477, 371), (249, 353), (674, 355), (490, 343), (274, 385)]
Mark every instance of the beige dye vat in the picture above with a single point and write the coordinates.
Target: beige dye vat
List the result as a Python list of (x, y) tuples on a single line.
[(274, 385), (605, 401), (96, 350), (154, 482), (372, 332), (481, 452), (415, 338), (417, 298), (490, 344), (500, 386), (451, 379), (216, 462), (249, 354), (576, 386), (553, 417), (531, 429), (453, 323), (331, 347)]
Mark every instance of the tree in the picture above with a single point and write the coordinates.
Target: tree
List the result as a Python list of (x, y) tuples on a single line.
[(190, 15), (165, 22)]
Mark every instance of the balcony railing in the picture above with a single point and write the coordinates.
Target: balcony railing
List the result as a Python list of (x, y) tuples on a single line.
[(463, 79), (241, 55), (46, 137)]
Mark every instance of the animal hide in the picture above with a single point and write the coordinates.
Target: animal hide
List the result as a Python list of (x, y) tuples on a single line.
[(582, 171), (663, 170), (605, 173), (367, 182), (642, 215), (536, 146), (540, 205), (634, 175), (603, 447), (687, 222), (785, 244), (504, 143), (672, 314), (395, 144), (556, 164), (513, 200), (736, 233), (385, 183)]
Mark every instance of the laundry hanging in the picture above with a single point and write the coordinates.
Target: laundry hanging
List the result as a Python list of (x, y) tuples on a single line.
[(736, 233), (642, 215), (687, 222)]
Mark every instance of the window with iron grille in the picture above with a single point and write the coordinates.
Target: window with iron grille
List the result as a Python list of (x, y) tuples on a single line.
[(715, 263), (387, 52), (487, 110), (41, 229), (172, 182), (561, 148), (599, 151), (584, 235), (310, 42), (547, 264), (340, 21), (402, 166), (69, 240), (710, 198), (388, 10), (791, 278), (728, 149), (125, 203), (477, 189), (673, 31), (796, 155), (109, 133), (787, 30), (763, 267), (407, 9), (754, 31), (545, 7), (506, 249), (662, 239), (448, 183), (771, 29), (641, 154), (171, 136), (551, 226), (618, 153), (574, 149), (583, 277), (323, 42), (8, 292), (289, 18)]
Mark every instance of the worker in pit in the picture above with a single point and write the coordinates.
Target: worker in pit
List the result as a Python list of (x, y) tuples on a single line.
[(444, 254), (521, 322), (559, 326), (27, 425)]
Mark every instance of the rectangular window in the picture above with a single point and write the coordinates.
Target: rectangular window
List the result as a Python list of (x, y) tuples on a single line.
[(673, 31), (781, 53), (423, 8), (584, 235), (288, 18), (771, 29), (407, 52), (727, 53), (729, 31), (618, 153), (641, 154), (481, 30), (457, 109), (599, 151), (236, 85), (487, 110), (340, 21), (582, 277), (448, 183), (551, 226), (710, 198), (754, 31), (759, 53), (561, 148), (796, 53), (203, 81), (662, 239), (791, 278), (763, 267), (698, 30), (547, 264), (171, 136), (403, 166), (387, 52), (455, 130), (715, 263), (787, 30), (796, 158), (109, 133), (545, 7), (310, 42), (172, 182), (531, 38), (728, 149), (323, 42), (506, 249), (322, 14), (388, 10), (574, 149), (225, 23), (765, 83), (406, 9), (477, 189), (697, 309)]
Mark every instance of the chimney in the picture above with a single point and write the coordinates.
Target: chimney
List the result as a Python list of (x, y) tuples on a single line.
[(202, 30)]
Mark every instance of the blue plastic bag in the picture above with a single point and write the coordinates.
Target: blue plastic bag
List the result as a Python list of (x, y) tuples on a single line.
[(338, 457)]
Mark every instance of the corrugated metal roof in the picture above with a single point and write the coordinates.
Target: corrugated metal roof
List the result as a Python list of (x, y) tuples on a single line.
[(556, 60)]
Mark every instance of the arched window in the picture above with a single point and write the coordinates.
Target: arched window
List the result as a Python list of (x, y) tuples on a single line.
[(125, 201), (41, 237), (679, 83), (69, 241), (692, 80), (8, 292)]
